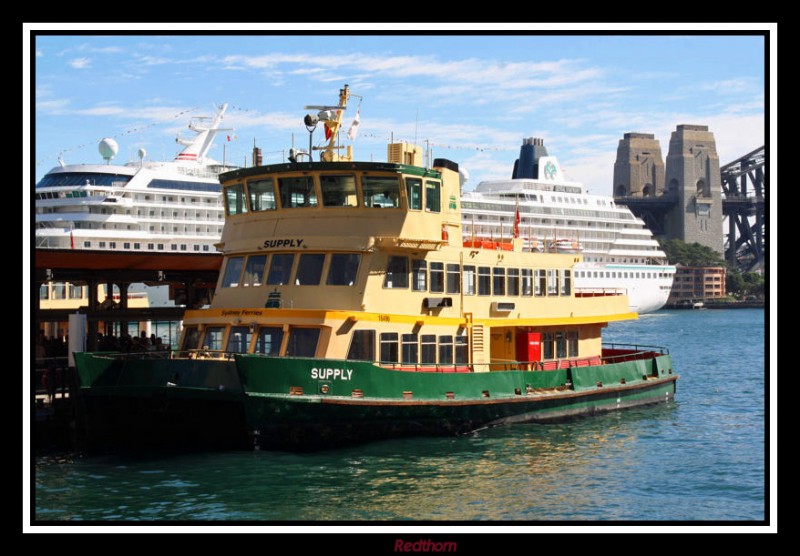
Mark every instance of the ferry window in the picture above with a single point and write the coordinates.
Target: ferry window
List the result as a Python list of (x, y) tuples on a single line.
[(484, 280), (160, 246), (254, 271), (232, 272), (338, 191), (389, 347), (469, 280), (527, 282), (234, 200), (344, 267), (419, 275), (427, 349), (513, 281), (362, 346), (381, 191), (43, 291), (433, 201), (280, 267), (548, 351), (191, 337), (453, 278), (552, 281), (410, 349), (213, 338), (309, 269), (302, 342), (137, 245), (396, 273), (297, 192), (462, 350), (437, 277), (499, 281), (239, 339), (539, 282), (126, 245), (445, 350), (102, 244), (572, 343), (183, 247), (262, 195), (196, 247), (414, 193), (87, 243), (566, 282), (205, 247), (561, 345), (174, 246), (269, 340)]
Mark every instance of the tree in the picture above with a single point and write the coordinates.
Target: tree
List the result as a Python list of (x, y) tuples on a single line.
[(690, 254)]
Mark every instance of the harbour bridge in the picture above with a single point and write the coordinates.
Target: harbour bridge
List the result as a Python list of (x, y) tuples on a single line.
[(744, 192)]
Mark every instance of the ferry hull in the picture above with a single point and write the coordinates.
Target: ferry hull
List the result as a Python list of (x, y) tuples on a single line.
[(289, 407), (137, 403), (308, 404), (318, 423)]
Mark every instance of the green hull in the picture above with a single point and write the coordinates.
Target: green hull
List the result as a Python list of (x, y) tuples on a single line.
[(365, 402), (304, 403)]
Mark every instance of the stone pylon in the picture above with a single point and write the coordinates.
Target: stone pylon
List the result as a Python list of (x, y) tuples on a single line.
[(639, 169), (693, 176)]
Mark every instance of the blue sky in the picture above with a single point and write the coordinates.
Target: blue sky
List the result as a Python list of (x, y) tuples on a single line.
[(472, 98)]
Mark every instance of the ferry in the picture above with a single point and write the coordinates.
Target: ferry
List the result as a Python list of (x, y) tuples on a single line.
[(352, 307), (553, 214)]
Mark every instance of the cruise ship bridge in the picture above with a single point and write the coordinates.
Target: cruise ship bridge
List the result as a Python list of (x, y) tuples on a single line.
[(192, 277)]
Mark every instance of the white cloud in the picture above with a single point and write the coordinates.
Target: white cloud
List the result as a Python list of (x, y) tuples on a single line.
[(52, 106), (79, 63)]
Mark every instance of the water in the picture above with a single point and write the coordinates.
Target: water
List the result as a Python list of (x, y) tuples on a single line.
[(699, 459)]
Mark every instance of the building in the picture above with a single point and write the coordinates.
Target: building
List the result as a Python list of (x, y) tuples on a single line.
[(697, 283)]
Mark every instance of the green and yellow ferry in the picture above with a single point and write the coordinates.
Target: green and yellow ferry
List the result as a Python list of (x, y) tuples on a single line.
[(350, 307)]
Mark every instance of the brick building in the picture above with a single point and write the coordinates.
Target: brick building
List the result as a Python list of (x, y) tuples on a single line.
[(697, 283)]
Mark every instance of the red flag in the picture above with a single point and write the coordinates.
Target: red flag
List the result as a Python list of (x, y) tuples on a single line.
[(516, 221), (71, 239), (328, 132), (229, 138)]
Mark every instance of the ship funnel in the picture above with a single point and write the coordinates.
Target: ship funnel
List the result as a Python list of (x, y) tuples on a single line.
[(527, 165)]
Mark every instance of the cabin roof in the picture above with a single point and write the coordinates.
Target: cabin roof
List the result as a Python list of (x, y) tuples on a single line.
[(328, 167)]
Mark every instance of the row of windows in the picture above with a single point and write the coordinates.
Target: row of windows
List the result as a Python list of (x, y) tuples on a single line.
[(302, 342), (342, 270), (150, 246), (410, 349), (333, 190), (392, 347), (449, 278), (618, 274)]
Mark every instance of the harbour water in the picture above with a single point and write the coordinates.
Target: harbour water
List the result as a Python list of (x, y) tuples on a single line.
[(700, 459)]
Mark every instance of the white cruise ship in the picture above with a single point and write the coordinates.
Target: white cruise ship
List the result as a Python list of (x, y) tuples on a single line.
[(551, 213), (139, 206)]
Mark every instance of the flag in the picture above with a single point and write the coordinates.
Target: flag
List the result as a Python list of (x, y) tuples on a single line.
[(328, 132), (516, 221), (71, 239), (229, 138), (352, 133)]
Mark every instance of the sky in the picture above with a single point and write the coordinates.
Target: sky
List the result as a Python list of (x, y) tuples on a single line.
[(470, 98)]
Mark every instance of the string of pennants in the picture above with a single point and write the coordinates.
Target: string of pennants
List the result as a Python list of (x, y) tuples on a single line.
[(120, 134)]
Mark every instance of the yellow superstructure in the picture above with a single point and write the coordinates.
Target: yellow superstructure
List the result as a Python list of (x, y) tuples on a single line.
[(357, 260)]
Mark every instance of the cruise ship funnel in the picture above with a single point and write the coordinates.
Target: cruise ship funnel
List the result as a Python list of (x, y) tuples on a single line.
[(527, 165)]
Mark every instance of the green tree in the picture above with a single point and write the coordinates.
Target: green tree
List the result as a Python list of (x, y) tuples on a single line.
[(690, 254)]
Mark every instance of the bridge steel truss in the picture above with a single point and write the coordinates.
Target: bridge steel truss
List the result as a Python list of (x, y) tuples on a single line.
[(744, 186)]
